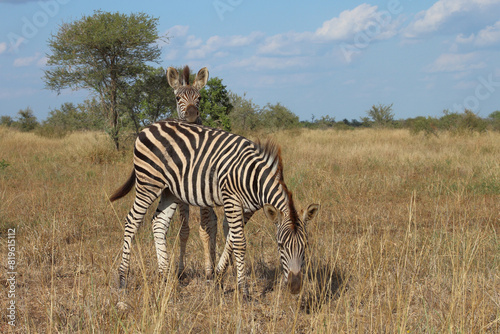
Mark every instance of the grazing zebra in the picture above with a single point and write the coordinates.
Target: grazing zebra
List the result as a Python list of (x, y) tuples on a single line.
[(188, 99), (209, 167)]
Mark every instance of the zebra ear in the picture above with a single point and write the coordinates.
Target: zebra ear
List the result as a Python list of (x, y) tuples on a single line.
[(173, 78), (310, 213), (201, 79), (271, 213)]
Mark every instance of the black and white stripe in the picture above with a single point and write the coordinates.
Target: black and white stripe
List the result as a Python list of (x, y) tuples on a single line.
[(209, 167)]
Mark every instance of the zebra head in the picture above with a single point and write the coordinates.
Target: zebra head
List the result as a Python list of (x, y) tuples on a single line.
[(186, 95), (292, 241)]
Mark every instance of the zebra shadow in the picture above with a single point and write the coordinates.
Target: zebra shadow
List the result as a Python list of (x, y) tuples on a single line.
[(323, 283), (269, 275)]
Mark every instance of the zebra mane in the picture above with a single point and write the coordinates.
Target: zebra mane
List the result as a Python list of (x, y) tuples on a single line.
[(185, 75), (271, 152)]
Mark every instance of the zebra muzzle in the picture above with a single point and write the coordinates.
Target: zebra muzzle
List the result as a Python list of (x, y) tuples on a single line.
[(192, 113), (294, 282)]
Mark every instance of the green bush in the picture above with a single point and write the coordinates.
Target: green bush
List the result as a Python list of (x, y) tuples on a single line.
[(470, 122), (494, 120), (465, 122), (427, 125)]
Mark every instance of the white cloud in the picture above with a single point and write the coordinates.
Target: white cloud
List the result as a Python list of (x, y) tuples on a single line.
[(285, 44), (266, 63), (3, 47), (193, 42), (42, 62), (215, 43), (347, 23), (377, 24), (284, 80), (235, 41), (437, 15), (485, 37), (26, 61), (489, 35), (462, 39), (365, 22), (178, 31), (450, 62)]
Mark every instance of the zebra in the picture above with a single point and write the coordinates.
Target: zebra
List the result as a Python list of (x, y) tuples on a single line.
[(187, 100), (209, 167)]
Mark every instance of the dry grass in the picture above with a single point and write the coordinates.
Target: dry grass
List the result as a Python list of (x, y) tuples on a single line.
[(407, 240)]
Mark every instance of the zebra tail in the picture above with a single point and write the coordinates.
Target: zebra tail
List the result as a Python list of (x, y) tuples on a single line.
[(124, 189)]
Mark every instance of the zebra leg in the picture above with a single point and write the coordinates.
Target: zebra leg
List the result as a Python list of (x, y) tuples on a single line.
[(225, 225), (239, 249), (161, 223), (208, 235), (235, 243), (183, 236), (224, 261), (143, 199)]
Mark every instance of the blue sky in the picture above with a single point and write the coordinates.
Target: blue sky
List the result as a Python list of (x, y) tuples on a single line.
[(319, 58)]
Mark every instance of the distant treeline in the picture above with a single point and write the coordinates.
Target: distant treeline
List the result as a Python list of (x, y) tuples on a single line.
[(239, 114), (382, 117)]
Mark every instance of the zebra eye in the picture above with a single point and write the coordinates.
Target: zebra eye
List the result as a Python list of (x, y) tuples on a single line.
[(178, 98), (280, 244)]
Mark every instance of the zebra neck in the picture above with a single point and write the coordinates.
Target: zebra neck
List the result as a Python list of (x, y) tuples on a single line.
[(279, 197)]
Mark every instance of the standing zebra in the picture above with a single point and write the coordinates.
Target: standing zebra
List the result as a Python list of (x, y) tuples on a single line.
[(188, 100), (209, 167)]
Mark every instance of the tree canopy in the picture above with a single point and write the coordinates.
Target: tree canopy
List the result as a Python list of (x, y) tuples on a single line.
[(104, 53), (215, 106), (381, 115), (278, 117), (149, 99)]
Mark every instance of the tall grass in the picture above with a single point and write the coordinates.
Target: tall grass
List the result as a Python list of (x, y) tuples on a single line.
[(406, 240)]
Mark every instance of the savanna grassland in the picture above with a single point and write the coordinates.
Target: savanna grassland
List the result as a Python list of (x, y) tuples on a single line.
[(407, 240)]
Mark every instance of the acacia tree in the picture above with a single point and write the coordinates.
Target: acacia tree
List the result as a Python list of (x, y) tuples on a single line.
[(104, 52), (381, 115), (26, 121)]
